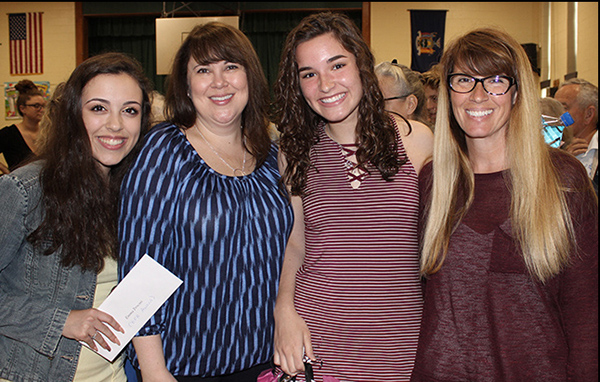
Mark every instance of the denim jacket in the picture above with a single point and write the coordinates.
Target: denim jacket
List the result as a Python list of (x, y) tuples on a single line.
[(36, 291)]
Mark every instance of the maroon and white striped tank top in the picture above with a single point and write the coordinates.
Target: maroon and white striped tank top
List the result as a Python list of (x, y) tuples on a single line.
[(358, 289)]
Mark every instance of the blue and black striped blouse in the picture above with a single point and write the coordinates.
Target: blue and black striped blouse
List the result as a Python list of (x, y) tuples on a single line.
[(223, 236)]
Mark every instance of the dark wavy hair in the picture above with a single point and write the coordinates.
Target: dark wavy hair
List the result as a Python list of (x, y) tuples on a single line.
[(81, 205), (213, 42), (297, 122), (26, 89)]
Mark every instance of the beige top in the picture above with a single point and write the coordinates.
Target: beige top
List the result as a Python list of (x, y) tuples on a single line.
[(93, 367)]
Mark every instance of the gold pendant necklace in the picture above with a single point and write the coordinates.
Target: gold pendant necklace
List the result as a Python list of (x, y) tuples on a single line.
[(242, 170)]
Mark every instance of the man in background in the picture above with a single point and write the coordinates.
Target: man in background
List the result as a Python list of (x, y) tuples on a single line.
[(580, 99)]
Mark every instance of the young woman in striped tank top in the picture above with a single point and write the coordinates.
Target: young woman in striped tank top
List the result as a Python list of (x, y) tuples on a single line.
[(350, 295)]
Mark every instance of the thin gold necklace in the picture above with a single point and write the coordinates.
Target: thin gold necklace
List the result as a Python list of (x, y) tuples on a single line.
[(242, 170)]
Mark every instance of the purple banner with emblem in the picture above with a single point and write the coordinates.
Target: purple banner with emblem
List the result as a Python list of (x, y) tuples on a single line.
[(427, 38)]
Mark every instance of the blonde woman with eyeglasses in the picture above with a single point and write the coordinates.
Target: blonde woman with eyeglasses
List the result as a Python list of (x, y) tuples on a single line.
[(510, 245)]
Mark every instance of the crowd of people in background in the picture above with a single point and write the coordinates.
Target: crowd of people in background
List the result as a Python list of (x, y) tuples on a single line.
[(370, 223)]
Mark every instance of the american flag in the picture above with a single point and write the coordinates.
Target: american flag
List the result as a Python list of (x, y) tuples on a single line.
[(26, 55)]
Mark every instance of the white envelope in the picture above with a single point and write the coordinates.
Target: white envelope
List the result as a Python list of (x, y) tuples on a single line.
[(135, 299)]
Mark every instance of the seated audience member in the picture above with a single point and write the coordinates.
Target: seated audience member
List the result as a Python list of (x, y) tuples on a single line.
[(431, 83), (580, 98), (19, 141), (402, 90)]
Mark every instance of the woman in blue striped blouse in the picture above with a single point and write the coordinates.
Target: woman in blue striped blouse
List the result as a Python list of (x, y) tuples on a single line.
[(203, 199)]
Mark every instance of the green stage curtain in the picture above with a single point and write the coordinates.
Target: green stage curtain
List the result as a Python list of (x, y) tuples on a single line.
[(136, 35)]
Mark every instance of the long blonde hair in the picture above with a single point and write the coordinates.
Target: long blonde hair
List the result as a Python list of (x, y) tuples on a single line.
[(539, 214)]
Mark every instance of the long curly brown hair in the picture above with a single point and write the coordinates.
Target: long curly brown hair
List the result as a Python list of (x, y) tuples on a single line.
[(297, 122), (81, 206)]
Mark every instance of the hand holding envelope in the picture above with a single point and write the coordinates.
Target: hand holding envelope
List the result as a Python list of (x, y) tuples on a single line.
[(86, 326), (135, 299)]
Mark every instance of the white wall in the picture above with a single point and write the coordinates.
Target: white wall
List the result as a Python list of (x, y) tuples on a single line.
[(526, 21), (58, 28), (390, 34)]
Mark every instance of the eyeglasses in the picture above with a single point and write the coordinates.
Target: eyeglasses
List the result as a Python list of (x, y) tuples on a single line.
[(494, 85), (37, 106), (398, 97)]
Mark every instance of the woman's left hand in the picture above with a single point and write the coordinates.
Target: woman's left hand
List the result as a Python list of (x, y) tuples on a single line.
[(86, 325)]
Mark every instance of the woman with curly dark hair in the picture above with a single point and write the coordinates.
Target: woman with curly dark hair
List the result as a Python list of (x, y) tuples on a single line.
[(350, 292), (58, 227)]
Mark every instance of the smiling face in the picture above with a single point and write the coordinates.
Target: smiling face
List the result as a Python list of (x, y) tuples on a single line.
[(482, 116), (219, 92), (329, 79), (111, 112)]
